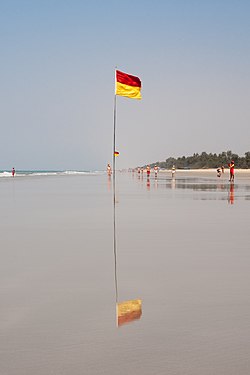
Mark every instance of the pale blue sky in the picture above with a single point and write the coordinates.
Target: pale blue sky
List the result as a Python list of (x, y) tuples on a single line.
[(57, 80)]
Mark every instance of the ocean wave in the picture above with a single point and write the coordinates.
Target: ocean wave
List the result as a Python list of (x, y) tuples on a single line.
[(82, 172), (50, 173), (5, 174)]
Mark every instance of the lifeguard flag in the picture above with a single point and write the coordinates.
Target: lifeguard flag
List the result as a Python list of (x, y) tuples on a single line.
[(128, 85), (116, 153)]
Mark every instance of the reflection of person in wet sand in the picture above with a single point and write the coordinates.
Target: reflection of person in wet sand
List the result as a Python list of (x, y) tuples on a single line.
[(231, 194), (173, 183), (148, 183), (109, 182)]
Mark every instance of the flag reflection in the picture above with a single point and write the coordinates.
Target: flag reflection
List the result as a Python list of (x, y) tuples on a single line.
[(128, 311)]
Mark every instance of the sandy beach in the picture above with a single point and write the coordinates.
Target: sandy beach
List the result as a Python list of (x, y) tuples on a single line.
[(207, 172), (182, 248)]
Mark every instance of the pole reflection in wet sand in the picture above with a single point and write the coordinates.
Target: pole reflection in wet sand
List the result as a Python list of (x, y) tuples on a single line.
[(126, 311)]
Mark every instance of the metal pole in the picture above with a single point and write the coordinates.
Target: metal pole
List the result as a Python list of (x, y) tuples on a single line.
[(114, 143), (114, 199)]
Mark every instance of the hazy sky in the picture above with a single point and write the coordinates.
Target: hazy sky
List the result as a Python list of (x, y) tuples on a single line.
[(57, 80)]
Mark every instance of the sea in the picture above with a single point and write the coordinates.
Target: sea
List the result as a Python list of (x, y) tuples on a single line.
[(33, 173), (173, 252)]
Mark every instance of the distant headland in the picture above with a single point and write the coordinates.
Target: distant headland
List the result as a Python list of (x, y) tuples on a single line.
[(205, 160)]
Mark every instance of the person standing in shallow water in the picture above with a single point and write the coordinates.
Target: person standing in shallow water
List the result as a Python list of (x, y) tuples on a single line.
[(109, 171), (13, 172), (156, 169), (231, 167), (148, 171), (173, 171)]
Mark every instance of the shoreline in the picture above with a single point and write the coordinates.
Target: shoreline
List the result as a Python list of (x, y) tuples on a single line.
[(213, 170)]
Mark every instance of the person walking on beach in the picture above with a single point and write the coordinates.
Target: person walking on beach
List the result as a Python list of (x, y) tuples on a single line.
[(231, 167), (13, 172), (156, 169), (148, 171), (222, 169), (109, 170), (218, 172), (173, 171)]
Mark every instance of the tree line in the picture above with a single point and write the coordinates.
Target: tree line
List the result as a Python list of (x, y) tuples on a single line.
[(205, 160)]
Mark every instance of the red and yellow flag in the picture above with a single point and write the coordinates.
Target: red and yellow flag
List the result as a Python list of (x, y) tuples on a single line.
[(128, 85), (116, 153)]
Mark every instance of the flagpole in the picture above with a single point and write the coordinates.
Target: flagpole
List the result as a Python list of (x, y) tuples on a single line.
[(114, 198), (134, 92), (114, 142)]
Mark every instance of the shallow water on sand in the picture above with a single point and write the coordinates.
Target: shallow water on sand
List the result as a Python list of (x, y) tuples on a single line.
[(182, 247)]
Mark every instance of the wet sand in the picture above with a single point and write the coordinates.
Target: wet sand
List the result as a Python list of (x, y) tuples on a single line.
[(182, 247)]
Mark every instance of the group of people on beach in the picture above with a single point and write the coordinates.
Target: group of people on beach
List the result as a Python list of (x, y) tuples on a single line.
[(155, 169), (148, 171), (140, 171), (220, 171)]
